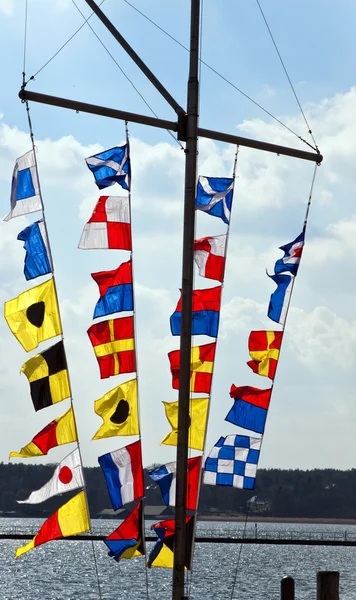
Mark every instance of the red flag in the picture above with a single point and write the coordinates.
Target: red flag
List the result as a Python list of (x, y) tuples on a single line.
[(109, 226), (114, 346), (264, 349)]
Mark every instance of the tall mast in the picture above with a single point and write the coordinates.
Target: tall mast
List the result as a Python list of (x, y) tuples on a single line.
[(186, 318)]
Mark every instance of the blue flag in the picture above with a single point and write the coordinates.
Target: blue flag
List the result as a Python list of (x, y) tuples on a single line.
[(111, 166), (292, 255), (37, 258), (128, 540), (214, 196), (279, 302), (233, 462), (116, 292), (25, 188), (205, 313)]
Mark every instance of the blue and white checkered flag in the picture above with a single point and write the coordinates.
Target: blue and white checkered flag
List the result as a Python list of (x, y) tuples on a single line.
[(214, 196), (111, 166), (25, 189), (233, 462)]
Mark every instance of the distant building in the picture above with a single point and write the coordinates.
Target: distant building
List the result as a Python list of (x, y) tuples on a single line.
[(258, 505)]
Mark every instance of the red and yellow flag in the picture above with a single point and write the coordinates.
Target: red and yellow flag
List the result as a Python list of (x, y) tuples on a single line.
[(70, 519), (60, 431), (114, 346), (201, 365), (264, 347)]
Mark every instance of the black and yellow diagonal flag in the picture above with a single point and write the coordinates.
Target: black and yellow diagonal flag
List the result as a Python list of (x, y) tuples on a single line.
[(48, 376), (33, 316)]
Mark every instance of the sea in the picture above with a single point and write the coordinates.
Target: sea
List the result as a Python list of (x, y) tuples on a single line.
[(73, 570)]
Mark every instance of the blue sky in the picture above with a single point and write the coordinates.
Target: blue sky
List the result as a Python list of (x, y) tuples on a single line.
[(312, 416)]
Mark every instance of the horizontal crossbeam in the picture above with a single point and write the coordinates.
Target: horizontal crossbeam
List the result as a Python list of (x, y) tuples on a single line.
[(175, 126)]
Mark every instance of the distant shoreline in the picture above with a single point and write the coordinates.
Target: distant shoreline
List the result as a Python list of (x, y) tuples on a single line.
[(256, 519)]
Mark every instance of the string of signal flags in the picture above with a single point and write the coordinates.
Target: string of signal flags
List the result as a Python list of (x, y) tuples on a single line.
[(34, 317)]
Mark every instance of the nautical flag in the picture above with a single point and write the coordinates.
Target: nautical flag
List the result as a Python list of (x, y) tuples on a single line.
[(250, 407), (124, 474), (214, 196), (264, 347), (279, 302), (165, 476), (68, 476), (292, 255), (233, 462), (205, 313), (25, 189), (209, 255), (111, 166), (128, 540), (37, 258), (70, 519), (161, 554), (109, 226), (114, 346), (33, 316), (115, 289), (58, 432), (201, 367), (48, 376), (119, 411), (198, 419)]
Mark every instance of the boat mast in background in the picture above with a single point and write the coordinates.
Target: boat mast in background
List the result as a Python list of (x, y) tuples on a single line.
[(188, 131)]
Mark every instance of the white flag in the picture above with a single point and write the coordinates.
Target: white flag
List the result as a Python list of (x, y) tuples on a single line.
[(67, 476), (25, 189)]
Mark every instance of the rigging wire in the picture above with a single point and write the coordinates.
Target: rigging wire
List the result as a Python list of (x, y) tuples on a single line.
[(239, 555), (267, 112), (25, 38), (287, 75), (64, 45), (124, 74)]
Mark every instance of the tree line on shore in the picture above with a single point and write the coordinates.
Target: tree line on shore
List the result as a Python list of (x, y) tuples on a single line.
[(319, 493)]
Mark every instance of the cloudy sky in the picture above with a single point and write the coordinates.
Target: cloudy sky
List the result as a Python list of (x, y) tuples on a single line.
[(312, 415)]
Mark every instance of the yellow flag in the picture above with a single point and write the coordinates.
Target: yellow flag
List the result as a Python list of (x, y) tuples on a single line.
[(198, 417), (34, 316), (48, 376), (119, 411), (70, 519)]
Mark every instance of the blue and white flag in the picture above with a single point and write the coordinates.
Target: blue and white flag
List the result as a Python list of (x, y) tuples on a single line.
[(279, 302), (233, 462), (111, 166), (214, 196), (25, 189), (166, 476), (292, 255), (37, 258), (124, 474)]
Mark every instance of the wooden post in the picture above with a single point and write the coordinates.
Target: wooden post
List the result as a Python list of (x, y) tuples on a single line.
[(287, 588), (327, 585)]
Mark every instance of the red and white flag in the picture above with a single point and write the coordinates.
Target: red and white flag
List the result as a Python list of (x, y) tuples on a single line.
[(109, 226), (209, 255), (67, 476)]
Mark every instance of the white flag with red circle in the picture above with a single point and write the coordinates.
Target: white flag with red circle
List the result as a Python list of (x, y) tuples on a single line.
[(67, 476)]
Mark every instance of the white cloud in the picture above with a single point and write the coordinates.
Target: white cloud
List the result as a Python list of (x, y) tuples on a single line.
[(269, 206), (6, 7)]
